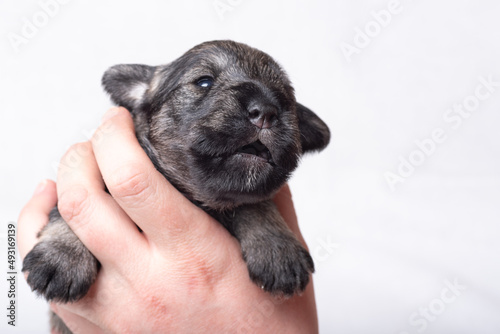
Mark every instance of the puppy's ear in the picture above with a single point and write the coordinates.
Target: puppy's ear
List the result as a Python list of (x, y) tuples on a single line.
[(314, 133), (127, 84)]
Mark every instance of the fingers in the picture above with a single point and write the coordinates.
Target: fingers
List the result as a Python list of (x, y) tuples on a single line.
[(145, 195), (92, 213), (35, 215)]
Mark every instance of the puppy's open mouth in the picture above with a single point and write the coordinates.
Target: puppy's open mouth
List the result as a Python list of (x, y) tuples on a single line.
[(257, 149)]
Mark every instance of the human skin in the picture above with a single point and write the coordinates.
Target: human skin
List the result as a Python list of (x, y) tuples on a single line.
[(182, 274)]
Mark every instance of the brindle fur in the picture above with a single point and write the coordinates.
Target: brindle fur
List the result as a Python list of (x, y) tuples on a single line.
[(191, 134)]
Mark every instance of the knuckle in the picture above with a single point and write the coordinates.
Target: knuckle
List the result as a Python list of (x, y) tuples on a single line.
[(74, 206), (131, 183)]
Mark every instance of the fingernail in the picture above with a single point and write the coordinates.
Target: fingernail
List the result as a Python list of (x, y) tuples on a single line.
[(110, 114), (40, 187)]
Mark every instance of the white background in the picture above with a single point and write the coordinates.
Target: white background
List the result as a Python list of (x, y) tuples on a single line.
[(382, 256)]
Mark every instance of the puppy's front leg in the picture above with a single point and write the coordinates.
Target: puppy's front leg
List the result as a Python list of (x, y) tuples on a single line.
[(60, 267), (276, 260)]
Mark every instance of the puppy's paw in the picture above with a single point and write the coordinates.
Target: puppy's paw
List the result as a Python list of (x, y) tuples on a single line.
[(60, 271), (281, 267)]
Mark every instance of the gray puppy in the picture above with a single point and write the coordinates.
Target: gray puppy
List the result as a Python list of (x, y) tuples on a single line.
[(222, 125)]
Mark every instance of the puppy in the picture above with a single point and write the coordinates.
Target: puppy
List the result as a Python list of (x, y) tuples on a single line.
[(222, 125)]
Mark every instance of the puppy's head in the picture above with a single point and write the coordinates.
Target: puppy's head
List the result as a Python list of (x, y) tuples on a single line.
[(220, 122)]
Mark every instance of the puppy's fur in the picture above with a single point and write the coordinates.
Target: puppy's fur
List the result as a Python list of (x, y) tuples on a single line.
[(222, 125)]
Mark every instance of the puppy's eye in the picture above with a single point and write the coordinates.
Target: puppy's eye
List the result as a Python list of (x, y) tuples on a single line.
[(205, 82)]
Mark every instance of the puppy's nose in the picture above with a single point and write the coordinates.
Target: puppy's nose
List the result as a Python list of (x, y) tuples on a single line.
[(263, 116)]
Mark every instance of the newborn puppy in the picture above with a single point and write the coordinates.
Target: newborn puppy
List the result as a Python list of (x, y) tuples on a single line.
[(222, 125)]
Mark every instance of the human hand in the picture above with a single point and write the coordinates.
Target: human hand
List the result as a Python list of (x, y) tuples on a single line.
[(184, 272)]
